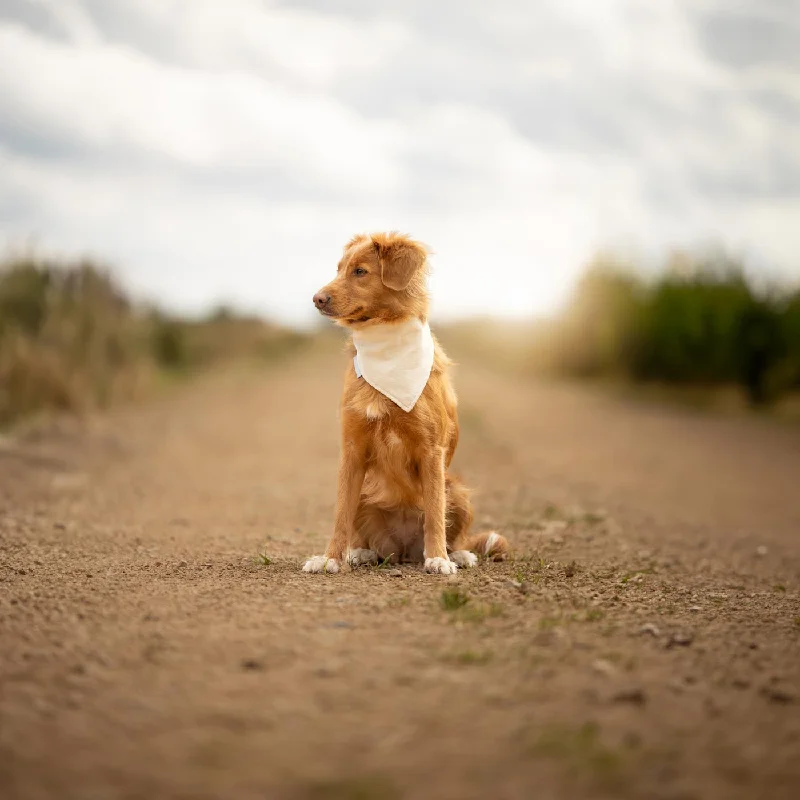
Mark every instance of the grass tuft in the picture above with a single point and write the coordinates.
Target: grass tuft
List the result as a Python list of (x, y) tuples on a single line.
[(581, 749), (453, 599), (471, 657)]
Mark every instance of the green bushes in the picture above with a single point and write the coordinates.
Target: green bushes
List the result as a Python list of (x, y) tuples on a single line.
[(699, 323), (70, 339)]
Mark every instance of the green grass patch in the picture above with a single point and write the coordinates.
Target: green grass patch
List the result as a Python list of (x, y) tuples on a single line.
[(582, 749), (368, 788), (470, 657), (629, 576), (548, 623), (453, 599), (480, 612)]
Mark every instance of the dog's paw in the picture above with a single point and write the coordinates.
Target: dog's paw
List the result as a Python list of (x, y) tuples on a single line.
[(464, 559), (321, 564), (361, 557), (441, 566)]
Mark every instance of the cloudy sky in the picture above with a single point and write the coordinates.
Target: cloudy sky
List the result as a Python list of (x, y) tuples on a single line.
[(225, 151)]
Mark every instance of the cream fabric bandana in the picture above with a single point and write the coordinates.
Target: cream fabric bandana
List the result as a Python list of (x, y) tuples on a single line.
[(395, 358)]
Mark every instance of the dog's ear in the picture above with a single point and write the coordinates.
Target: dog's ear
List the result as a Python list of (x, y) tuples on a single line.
[(400, 259)]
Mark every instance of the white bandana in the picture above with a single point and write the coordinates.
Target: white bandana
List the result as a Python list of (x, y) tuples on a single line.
[(395, 358)]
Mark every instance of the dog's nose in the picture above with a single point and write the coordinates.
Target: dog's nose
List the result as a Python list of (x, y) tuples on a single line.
[(321, 300)]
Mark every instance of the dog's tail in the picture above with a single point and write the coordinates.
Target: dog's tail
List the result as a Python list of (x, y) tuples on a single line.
[(489, 544)]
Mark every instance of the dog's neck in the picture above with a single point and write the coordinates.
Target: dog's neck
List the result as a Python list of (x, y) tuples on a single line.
[(387, 326)]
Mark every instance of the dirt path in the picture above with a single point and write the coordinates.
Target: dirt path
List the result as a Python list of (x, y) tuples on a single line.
[(645, 642)]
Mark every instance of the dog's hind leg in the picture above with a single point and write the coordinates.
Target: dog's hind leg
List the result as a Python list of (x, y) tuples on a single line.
[(372, 542), (465, 547)]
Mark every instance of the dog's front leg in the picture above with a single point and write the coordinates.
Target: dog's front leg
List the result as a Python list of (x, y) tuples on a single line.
[(434, 499), (351, 479)]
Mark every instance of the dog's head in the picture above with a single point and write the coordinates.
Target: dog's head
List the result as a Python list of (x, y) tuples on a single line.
[(380, 278)]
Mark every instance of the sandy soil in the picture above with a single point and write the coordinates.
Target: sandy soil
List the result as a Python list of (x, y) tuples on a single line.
[(644, 642)]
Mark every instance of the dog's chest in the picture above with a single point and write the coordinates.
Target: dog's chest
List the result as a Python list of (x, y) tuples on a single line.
[(393, 450)]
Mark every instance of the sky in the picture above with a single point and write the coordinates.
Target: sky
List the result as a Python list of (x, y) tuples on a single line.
[(225, 151)]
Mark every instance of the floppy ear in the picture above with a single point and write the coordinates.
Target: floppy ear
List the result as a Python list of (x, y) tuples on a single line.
[(400, 259)]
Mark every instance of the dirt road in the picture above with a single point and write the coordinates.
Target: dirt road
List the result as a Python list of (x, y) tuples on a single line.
[(644, 642)]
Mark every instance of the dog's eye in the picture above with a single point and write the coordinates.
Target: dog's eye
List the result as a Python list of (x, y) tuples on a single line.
[(359, 271)]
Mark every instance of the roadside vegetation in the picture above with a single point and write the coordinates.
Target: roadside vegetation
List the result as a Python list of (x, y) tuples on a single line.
[(71, 339), (697, 329), (699, 322)]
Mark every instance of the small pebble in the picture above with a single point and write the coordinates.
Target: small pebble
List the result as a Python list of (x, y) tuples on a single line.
[(252, 664), (325, 672), (634, 695), (680, 640), (694, 609), (395, 573), (761, 551), (777, 695), (603, 667), (651, 629)]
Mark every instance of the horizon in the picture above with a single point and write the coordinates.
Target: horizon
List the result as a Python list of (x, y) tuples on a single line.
[(225, 158)]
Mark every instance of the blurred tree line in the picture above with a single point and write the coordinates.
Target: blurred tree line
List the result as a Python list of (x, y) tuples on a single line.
[(700, 322), (71, 339)]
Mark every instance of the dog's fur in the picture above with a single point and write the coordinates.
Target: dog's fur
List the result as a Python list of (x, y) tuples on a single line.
[(395, 499)]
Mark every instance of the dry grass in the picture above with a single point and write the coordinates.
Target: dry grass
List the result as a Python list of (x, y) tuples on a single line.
[(71, 340)]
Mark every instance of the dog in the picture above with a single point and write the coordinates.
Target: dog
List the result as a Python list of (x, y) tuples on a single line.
[(396, 501)]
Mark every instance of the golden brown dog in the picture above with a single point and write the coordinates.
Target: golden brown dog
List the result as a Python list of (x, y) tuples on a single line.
[(395, 499)]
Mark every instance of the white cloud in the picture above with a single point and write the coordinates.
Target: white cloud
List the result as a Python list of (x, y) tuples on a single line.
[(227, 151)]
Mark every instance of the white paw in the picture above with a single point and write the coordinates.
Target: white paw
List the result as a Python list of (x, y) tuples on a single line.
[(441, 566), (464, 558), (362, 557), (321, 564)]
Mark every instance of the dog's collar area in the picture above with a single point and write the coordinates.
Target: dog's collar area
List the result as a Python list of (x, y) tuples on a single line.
[(396, 359)]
